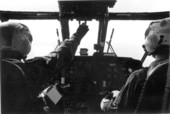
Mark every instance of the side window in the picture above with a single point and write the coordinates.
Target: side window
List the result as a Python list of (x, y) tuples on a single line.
[(128, 38)]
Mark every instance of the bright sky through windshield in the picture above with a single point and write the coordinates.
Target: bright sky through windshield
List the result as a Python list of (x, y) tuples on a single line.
[(127, 38)]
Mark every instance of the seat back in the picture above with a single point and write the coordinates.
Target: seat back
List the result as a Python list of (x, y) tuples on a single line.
[(15, 94), (152, 98), (166, 97)]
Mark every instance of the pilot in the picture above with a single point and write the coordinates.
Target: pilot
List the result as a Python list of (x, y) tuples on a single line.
[(143, 91), (16, 40)]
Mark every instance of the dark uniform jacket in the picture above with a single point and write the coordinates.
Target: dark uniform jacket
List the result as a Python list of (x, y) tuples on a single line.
[(143, 92), (20, 92)]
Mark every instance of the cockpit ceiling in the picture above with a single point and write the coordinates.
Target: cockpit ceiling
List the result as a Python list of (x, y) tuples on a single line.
[(5, 15), (85, 9)]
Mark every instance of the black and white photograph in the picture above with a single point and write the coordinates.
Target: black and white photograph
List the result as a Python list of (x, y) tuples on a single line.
[(85, 56)]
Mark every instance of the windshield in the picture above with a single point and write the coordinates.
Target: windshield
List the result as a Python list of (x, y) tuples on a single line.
[(127, 38)]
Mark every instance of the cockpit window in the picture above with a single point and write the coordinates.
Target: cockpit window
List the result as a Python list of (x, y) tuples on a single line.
[(127, 38), (44, 33)]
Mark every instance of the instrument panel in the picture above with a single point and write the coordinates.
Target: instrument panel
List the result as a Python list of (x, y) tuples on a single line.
[(91, 77)]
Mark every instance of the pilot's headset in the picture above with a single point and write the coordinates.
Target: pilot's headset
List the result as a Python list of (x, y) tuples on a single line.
[(12, 34), (157, 35)]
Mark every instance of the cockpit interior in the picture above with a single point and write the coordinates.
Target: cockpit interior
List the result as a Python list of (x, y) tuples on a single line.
[(102, 68)]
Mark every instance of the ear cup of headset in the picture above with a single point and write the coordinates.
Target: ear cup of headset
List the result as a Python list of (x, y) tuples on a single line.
[(151, 42)]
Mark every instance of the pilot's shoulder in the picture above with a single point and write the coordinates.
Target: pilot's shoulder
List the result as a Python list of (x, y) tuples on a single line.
[(138, 75)]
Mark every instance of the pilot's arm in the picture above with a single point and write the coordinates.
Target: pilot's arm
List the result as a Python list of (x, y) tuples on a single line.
[(47, 66), (65, 52), (127, 98)]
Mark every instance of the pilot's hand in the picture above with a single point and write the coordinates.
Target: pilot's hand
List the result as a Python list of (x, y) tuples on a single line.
[(82, 30), (107, 101), (104, 105)]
